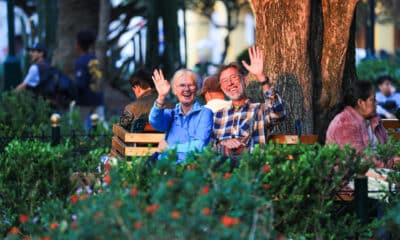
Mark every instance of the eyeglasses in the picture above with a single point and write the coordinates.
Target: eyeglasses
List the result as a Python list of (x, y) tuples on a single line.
[(184, 86), (233, 77)]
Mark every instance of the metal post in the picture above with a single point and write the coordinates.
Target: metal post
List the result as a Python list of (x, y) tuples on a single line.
[(55, 129), (94, 118), (361, 198)]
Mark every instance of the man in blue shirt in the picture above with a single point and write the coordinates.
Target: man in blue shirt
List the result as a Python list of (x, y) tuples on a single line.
[(188, 126), (387, 97), (37, 54), (90, 98)]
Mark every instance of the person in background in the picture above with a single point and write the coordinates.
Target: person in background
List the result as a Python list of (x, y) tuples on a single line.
[(387, 97), (213, 94), (356, 123), (143, 87), (188, 126), (245, 124), (90, 96), (31, 81)]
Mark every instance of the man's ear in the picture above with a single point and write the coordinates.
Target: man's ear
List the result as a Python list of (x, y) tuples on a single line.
[(246, 80)]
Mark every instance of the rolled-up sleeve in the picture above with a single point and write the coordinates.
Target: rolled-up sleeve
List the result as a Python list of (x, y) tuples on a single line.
[(275, 107)]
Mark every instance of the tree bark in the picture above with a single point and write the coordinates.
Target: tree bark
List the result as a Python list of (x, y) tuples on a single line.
[(282, 28), (74, 15), (337, 19), (307, 54), (102, 35)]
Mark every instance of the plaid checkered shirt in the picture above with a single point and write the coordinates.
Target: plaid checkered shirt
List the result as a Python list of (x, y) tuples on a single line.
[(252, 119)]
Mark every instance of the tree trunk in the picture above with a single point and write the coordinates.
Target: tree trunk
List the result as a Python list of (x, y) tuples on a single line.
[(307, 52), (102, 35), (282, 28), (74, 15), (337, 21)]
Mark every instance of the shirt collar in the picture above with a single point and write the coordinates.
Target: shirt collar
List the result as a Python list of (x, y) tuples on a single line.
[(196, 107)]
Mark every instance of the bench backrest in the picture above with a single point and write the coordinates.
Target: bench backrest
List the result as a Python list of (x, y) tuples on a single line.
[(126, 144), (293, 139), (391, 126)]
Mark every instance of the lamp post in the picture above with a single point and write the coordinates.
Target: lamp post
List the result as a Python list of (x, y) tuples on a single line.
[(12, 66)]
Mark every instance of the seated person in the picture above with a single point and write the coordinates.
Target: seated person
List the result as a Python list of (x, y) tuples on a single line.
[(143, 87), (188, 126), (213, 94), (387, 98), (357, 123), (245, 124)]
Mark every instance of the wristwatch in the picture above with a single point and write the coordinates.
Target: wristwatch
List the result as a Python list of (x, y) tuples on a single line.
[(266, 81)]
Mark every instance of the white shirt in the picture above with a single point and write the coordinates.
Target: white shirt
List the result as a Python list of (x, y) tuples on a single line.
[(32, 78), (217, 104)]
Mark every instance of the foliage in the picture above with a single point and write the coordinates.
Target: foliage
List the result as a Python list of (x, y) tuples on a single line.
[(32, 172), (23, 114), (372, 69), (288, 189)]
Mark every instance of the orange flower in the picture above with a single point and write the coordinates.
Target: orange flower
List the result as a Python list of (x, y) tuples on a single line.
[(98, 215), (206, 211), (205, 190), (53, 226), (107, 179), (134, 192), (23, 218), (118, 203), (125, 184), (266, 169), (227, 175), (229, 221), (14, 230), (26, 238), (266, 186), (107, 167), (170, 183), (74, 225), (137, 224), (290, 157), (152, 208), (175, 214), (84, 196), (74, 199), (191, 167), (45, 238)]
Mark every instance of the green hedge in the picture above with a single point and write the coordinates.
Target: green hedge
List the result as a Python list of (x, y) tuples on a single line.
[(284, 189)]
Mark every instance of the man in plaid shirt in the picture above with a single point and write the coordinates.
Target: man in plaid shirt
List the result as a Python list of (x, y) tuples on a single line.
[(245, 124)]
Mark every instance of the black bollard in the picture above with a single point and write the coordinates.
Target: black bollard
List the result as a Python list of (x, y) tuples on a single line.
[(55, 129), (94, 118), (361, 198)]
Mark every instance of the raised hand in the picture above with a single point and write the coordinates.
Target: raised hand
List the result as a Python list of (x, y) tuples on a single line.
[(162, 85), (256, 66)]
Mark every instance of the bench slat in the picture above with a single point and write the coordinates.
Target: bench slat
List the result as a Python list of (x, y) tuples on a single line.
[(140, 151), (293, 139), (391, 123)]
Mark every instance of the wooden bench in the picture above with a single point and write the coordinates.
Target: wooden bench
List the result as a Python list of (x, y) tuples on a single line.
[(126, 144), (391, 126)]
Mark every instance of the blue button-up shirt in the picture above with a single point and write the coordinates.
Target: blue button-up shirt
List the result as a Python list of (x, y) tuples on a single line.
[(184, 133)]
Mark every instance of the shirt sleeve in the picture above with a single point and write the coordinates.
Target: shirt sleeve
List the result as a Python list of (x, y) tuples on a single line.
[(202, 135), (276, 111), (159, 118), (32, 78), (380, 110)]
